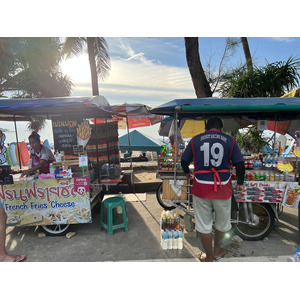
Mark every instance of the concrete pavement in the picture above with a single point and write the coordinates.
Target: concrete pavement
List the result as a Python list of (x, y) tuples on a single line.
[(142, 241)]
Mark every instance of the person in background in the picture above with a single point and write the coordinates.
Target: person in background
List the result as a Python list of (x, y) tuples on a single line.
[(40, 156), (4, 256), (212, 153)]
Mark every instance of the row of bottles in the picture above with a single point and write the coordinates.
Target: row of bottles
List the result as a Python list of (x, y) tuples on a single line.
[(171, 239), (171, 150), (169, 220), (169, 165), (271, 161), (259, 162), (171, 234)]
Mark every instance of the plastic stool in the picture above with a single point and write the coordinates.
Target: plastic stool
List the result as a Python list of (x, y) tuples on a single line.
[(110, 204)]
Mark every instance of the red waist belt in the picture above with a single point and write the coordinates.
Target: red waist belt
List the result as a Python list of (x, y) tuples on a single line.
[(216, 176)]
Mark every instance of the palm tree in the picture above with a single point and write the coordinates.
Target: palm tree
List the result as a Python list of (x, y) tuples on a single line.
[(98, 56), (247, 53), (30, 67), (199, 79)]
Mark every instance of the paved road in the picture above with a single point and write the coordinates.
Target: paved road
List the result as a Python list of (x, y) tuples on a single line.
[(142, 241)]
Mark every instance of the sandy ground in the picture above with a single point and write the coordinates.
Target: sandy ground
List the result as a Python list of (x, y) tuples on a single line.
[(148, 176)]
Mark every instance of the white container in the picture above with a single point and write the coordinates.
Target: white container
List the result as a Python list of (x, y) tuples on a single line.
[(164, 240), (180, 239), (170, 239), (175, 239)]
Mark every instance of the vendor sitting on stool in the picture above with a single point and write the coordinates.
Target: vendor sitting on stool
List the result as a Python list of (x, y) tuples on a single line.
[(40, 156)]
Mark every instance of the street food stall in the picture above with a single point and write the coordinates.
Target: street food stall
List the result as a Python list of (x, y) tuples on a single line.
[(267, 187), (77, 179)]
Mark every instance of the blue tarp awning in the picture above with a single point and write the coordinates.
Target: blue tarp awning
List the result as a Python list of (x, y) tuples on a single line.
[(23, 109)]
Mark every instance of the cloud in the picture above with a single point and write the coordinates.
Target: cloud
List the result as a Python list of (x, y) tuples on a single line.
[(134, 56), (283, 39)]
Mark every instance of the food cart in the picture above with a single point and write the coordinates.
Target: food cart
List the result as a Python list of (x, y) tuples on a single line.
[(67, 196), (256, 209)]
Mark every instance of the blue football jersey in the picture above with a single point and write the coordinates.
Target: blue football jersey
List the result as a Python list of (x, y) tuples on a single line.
[(212, 150)]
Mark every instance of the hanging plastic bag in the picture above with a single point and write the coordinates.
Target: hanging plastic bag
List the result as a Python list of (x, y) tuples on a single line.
[(172, 134)]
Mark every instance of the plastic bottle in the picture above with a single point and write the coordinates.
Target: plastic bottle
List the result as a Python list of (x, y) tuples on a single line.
[(164, 239), (180, 239), (295, 257), (57, 157), (175, 239), (181, 148), (268, 161), (170, 239), (51, 169), (275, 159)]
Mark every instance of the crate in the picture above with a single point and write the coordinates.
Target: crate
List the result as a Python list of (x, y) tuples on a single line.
[(175, 192)]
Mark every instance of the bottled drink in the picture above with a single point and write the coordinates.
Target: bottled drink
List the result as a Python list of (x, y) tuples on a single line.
[(181, 148), (180, 239), (295, 257), (268, 161), (272, 176), (164, 239), (177, 221), (275, 159), (170, 239), (51, 169), (175, 239)]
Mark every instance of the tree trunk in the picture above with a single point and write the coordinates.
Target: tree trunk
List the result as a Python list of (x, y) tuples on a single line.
[(247, 53), (94, 76), (201, 85)]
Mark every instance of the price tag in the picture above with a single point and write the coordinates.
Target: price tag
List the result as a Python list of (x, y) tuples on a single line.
[(78, 149), (83, 160), (297, 151), (284, 166)]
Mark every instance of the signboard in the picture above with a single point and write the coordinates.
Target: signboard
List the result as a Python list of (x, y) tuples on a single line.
[(47, 202), (64, 133), (262, 191)]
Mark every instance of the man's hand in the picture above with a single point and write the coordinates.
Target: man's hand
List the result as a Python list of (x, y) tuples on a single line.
[(189, 176), (240, 188)]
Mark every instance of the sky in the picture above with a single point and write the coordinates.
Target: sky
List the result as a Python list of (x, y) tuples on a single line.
[(153, 70)]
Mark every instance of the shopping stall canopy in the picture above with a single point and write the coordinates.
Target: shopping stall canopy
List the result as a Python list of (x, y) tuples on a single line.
[(24, 109), (275, 108), (132, 115), (140, 142)]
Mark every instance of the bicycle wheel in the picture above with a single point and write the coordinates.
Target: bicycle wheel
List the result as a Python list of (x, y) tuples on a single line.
[(264, 222), (56, 229), (161, 202)]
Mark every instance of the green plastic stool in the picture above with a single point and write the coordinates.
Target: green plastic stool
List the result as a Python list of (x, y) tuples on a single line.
[(110, 204)]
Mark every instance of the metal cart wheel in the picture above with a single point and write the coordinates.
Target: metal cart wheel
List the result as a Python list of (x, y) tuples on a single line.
[(161, 202), (56, 230)]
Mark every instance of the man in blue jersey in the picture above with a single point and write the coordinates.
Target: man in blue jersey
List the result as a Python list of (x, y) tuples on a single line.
[(212, 153)]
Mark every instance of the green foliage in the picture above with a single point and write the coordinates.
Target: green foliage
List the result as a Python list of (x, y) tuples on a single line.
[(251, 141), (273, 80), (30, 68)]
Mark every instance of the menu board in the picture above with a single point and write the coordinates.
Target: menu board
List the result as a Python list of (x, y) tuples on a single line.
[(65, 133)]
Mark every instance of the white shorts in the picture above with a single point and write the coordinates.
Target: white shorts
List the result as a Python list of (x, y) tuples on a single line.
[(208, 211)]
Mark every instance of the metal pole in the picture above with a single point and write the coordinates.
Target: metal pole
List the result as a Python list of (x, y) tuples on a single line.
[(20, 164), (175, 145), (107, 141), (98, 166), (129, 145)]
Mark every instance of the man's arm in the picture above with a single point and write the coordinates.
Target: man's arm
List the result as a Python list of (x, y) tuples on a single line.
[(240, 174), (185, 167)]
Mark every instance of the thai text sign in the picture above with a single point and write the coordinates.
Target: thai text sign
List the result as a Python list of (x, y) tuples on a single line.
[(46, 202)]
